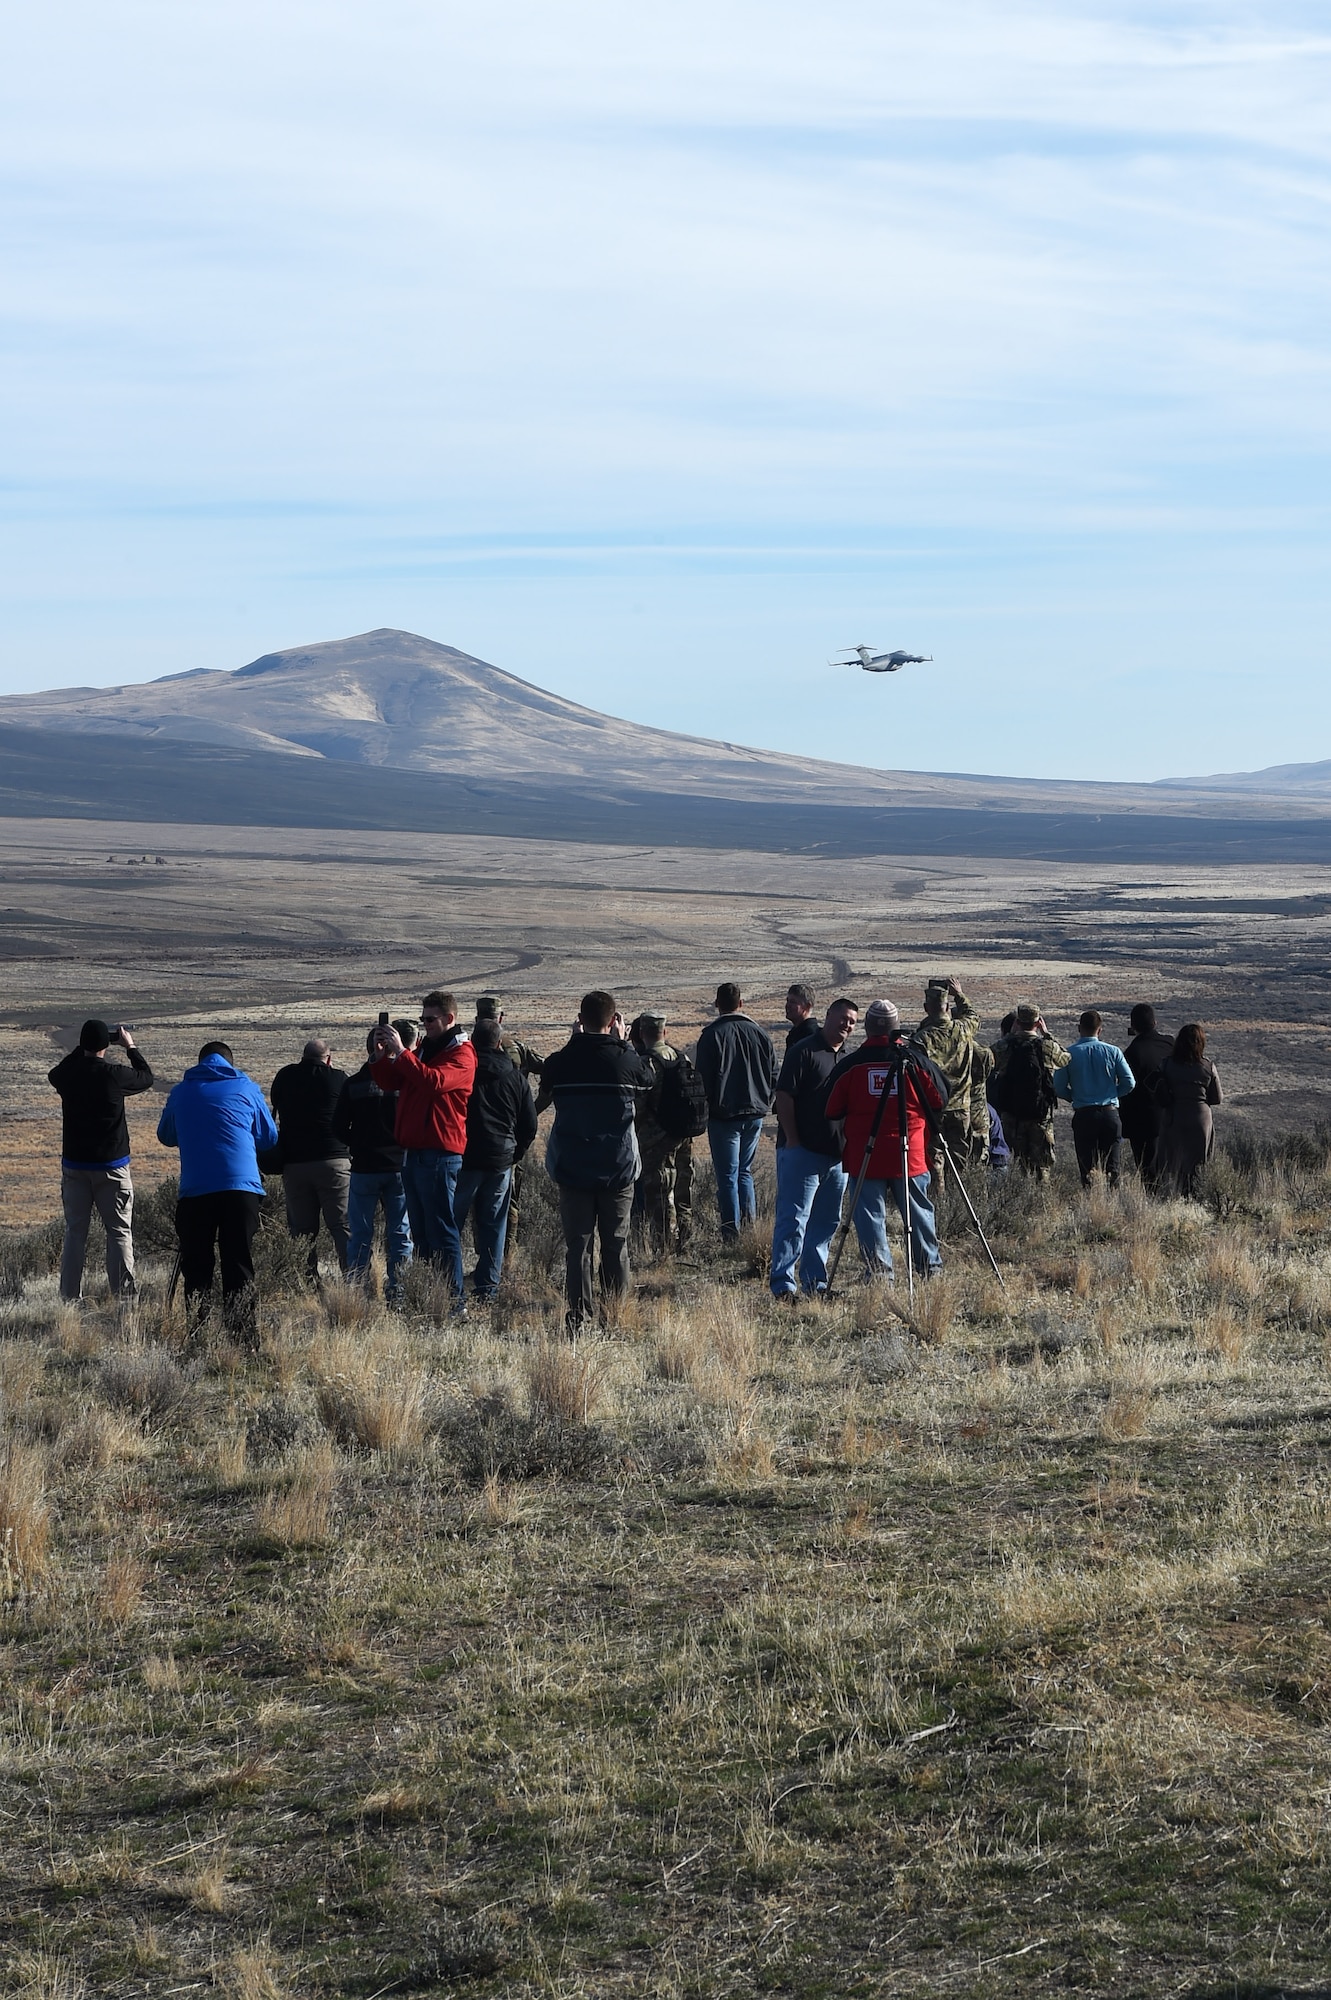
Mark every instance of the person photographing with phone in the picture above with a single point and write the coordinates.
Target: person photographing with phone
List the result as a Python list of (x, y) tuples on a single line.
[(433, 1083), (94, 1154)]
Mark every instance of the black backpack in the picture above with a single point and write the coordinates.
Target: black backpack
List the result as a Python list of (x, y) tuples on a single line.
[(681, 1107), (1022, 1089)]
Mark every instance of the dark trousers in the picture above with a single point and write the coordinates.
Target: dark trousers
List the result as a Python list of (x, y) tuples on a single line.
[(224, 1223), (586, 1213), (1144, 1138), (1097, 1136)]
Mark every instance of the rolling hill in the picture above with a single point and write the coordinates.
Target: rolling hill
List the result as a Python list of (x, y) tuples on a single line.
[(309, 736)]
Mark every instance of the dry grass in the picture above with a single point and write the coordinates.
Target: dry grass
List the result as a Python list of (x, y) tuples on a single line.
[(120, 1592), (252, 1975), (299, 1514), (44, 1975), (780, 1628), (566, 1380), (96, 1438), (25, 1518), (231, 1456), (370, 1392)]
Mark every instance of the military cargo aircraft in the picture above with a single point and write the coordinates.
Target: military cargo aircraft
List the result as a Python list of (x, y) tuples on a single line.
[(880, 663)]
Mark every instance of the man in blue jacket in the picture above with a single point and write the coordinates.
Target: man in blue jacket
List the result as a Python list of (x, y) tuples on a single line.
[(217, 1116), (1095, 1077)]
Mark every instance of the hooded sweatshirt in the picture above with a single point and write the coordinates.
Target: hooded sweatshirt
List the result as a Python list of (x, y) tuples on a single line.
[(216, 1115)]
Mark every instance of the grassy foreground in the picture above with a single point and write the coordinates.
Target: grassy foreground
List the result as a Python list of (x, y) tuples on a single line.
[(736, 1651)]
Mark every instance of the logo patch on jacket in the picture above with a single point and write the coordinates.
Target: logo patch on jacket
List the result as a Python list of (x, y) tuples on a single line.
[(878, 1078)]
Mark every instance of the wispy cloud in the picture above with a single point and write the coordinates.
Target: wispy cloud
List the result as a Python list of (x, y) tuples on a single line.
[(317, 316)]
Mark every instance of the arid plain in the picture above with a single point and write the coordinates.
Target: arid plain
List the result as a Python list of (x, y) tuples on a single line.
[(267, 936), (978, 1648)]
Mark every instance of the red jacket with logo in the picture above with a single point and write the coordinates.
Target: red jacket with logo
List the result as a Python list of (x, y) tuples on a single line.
[(432, 1093), (854, 1092)]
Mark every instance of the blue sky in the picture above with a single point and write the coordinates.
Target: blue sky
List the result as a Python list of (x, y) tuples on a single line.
[(656, 354)]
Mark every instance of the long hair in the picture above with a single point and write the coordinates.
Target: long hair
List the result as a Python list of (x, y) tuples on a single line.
[(1190, 1043)]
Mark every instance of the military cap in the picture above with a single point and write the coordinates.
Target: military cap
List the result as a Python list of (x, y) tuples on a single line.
[(656, 1014), (1027, 1014), (487, 1007)]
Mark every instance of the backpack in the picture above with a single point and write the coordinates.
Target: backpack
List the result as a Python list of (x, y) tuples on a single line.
[(681, 1107), (1023, 1089)]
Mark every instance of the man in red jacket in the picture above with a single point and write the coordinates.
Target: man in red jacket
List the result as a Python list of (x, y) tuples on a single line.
[(885, 1062), (433, 1084)]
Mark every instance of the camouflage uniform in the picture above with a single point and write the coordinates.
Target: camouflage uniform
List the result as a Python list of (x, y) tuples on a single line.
[(982, 1068), (663, 1198), (1031, 1139), (949, 1041)]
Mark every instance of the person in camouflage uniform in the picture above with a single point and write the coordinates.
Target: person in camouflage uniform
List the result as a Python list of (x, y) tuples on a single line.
[(947, 1036), (526, 1059), (518, 1053), (982, 1068), (1031, 1139), (663, 1198)]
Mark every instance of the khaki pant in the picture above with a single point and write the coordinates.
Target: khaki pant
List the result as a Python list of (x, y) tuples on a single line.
[(111, 1192), (663, 1201), (314, 1188)]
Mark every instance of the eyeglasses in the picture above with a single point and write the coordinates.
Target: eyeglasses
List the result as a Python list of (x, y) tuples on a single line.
[(427, 1018)]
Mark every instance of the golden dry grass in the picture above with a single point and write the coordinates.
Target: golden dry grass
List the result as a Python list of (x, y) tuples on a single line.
[(299, 1513), (550, 1661), (369, 1391), (25, 1517)]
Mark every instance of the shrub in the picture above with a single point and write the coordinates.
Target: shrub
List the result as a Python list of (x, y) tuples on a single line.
[(155, 1218), (28, 1253), (490, 1439), (145, 1380)]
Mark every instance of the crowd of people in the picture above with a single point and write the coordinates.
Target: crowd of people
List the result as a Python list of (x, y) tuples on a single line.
[(434, 1126)]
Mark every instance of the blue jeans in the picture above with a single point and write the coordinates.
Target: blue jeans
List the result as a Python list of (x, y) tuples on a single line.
[(809, 1187), (485, 1196), (871, 1217), (429, 1181), (734, 1142), (367, 1191)]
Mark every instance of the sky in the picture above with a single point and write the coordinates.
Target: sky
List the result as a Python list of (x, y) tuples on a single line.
[(657, 354)]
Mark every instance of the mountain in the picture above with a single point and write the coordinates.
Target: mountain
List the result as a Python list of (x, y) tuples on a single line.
[(1310, 780), (392, 731), (393, 699)]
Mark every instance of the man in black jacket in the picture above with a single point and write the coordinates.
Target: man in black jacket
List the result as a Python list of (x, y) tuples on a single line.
[(1139, 1114), (501, 1125), (94, 1154), (316, 1166), (738, 1066), (592, 1154), (364, 1120)]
